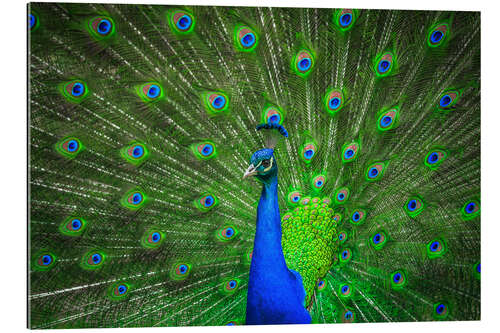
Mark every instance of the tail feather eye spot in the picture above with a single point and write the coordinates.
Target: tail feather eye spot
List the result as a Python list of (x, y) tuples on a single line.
[(76, 224), (181, 22), (101, 27), (246, 39), (448, 99), (74, 91), (357, 216), (69, 147), (93, 260), (121, 289), (272, 115), (437, 35), (184, 22), (345, 255), (135, 153), (155, 237), (388, 119), (180, 271), (104, 27), (345, 290), (96, 259), (440, 310), (150, 92), (375, 171), (348, 316), (294, 197), (344, 19), (230, 286), (304, 62), (207, 201), (226, 233), (378, 240), (32, 20), (204, 150), (384, 64), (153, 91), (436, 248), (318, 182), (44, 261), (398, 279), (471, 209), (321, 285), (414, 206), (216, 102), (152, 238), (349, 152), (308, 151), (334, 101), (434, 158)]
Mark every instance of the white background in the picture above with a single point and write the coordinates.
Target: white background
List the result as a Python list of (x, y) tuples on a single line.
[(13, 165)]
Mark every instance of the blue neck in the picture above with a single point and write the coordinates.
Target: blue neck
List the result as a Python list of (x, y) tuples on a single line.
[(267, 249), (275, 294)]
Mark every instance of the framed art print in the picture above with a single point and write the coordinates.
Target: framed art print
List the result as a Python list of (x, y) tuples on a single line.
[(207, 165)]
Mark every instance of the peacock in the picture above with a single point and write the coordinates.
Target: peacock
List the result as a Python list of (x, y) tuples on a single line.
[(356, 132)]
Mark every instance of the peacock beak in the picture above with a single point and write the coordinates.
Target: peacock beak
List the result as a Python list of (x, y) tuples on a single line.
[(251, 171)]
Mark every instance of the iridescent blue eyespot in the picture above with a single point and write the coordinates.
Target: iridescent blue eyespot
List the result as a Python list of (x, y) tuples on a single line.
[(470, 207), (76, 224), (207, 150), (248, 40), (184, 22), (436, 36), (348, 153), (356, 216), (345, 19), (229, 232), (386, 121), (377, 238), (104, 27), (32, 19), (304, 64), (153, 91), (182, 269), (334, 103), (445, 101), (77, 89), (412, 205), (122, 289), (72, 146), (96, 258), (373, 172), (155, 237), (46, 260), (138, 151), (136, 198), (218, 102), (383, 66)]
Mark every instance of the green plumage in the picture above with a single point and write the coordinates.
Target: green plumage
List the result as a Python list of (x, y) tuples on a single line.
[(159, 221)]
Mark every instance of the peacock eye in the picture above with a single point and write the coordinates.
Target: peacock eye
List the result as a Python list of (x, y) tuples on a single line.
[(266, 163)]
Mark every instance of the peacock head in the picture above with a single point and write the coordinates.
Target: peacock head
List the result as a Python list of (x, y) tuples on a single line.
[(262, 165)]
